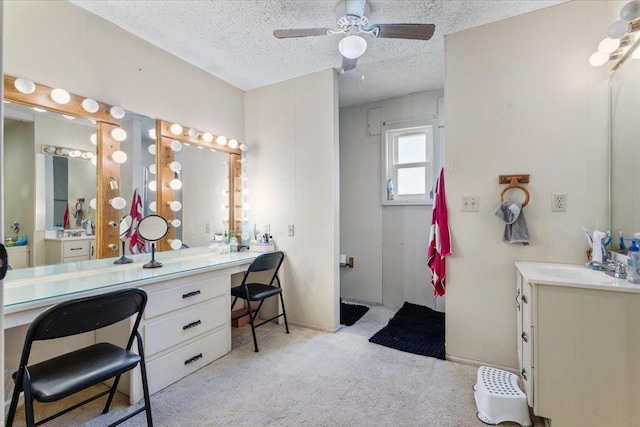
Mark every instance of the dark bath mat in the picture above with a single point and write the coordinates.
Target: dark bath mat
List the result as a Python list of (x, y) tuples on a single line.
[(415, 329), (351, 313)]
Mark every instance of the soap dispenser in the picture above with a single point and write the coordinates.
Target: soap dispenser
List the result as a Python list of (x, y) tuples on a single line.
[(633, 262)]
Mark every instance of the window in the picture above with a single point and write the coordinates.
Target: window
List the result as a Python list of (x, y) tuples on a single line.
[(408, 164)]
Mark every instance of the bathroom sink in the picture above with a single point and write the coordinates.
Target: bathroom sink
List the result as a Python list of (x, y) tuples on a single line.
[(570, 272)]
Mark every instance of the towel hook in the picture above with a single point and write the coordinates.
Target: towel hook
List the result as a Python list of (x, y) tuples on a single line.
[(514, 182)]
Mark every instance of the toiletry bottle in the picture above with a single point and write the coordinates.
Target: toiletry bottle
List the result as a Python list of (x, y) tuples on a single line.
[(633, 262), (390, 189), (233, 242), (226, 238)]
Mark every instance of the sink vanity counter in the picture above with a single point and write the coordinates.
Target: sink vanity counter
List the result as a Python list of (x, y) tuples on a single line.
[(186, 323), (578, 344)]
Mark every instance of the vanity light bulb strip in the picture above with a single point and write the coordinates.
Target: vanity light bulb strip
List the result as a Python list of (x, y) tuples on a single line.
[(66, 152)]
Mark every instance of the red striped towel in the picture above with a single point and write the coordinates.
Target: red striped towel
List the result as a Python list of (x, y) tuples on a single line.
[(137, 244), (439, 238)]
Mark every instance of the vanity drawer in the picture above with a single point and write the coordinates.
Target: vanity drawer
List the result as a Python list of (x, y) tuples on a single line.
[(76, 248), (193, 292), (176, 329), (170, 368)]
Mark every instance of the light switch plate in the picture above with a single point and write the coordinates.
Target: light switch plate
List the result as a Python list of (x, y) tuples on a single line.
[(207, 227), (470, 204), (290, 230)]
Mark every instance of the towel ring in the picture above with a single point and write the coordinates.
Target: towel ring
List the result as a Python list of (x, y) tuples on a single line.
[(515, 184)]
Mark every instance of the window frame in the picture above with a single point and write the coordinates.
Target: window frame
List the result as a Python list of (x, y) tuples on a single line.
[(389, 135)]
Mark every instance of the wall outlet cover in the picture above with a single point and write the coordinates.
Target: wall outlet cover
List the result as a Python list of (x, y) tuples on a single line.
[(559, 202), (290, 230)]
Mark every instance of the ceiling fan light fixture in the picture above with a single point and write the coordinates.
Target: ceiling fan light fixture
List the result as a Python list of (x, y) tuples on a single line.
[(352, 47)]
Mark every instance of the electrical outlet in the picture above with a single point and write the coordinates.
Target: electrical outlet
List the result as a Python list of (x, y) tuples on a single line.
[(207, 227), (267, 228), (559, 202), (470, 204), (290, 230)]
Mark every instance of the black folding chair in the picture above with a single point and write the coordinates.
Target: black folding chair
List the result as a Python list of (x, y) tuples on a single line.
[(64, 375), (261, 291)]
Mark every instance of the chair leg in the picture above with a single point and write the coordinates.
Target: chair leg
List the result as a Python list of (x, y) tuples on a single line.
[(284, 312), (14, 403), (112, 393), (145, 384), (234, 303), (253, 328), (28, 400)]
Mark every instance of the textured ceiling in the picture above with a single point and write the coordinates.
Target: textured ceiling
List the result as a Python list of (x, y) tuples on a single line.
[(233, 39)]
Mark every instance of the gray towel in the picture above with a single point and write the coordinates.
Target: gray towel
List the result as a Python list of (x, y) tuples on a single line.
[(515, 230)]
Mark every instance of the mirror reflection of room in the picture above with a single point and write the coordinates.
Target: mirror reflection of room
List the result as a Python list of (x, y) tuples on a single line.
[(50, 173)]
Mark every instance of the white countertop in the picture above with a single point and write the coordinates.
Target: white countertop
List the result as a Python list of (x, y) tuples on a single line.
[(27, 286), (572, 275), (68, 239)]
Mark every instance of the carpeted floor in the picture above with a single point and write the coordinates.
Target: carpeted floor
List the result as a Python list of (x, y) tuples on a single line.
[(308, 378), (415, 329)]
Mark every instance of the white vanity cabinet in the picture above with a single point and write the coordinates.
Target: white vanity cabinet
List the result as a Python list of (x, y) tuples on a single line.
[(70, 249), (578, 345)]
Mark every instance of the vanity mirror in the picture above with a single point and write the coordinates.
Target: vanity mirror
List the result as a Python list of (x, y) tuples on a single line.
[(125, 226), (625, 149)]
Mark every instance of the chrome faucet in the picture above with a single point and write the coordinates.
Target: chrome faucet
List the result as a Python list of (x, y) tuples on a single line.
[(617, 269)]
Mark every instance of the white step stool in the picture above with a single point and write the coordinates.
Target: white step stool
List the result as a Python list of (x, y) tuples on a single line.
[(499, 398)]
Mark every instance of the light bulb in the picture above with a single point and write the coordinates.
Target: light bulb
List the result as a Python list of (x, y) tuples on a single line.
[(608, 45), (119, 134), (93, 203), (116, 112), (175, 129), (75, 153), (175, 244), (119, 157), (225, 206), (630, 11), (152, 133), (175, 145), (25, 86), (175, 166), (244, 176), (152, 169), (50, 149), (175, 206), (64, 151), (118, 203), (94, 139), (39, 110), (243, 161), (152, 206), (152, 149), (90, 105), (233, 144), (221, 140), (68, 117), (225, 192), (245, 191), (246, 206), (60, 96), (352, 47), (176, 223), (94, 160), (153, 186), (87, 155), (207, 136), (193, 133), (175, 184), (618, 29), (243, 147), (598, 59)]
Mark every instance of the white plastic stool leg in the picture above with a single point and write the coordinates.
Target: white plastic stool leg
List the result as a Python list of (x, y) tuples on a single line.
[(498, 397)]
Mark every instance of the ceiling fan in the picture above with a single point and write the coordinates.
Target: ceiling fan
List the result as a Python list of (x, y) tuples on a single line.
[(353, 22)]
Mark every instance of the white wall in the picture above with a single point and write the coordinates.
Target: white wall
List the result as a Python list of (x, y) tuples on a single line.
[(291, 128), (59, 44), (521, 97), (389, 244)]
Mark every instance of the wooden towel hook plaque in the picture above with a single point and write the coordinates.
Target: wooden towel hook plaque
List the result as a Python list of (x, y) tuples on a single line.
[(515, 181)]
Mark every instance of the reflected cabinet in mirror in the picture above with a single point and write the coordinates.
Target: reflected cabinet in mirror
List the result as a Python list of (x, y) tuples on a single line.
[(625, 149)]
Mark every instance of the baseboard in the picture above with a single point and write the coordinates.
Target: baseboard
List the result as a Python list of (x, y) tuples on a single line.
[(479, 363), (317, 328)]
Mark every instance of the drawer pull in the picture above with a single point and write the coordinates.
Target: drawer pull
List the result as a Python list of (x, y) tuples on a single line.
[(75, 249), (524, 374), (196, 323), (524, 299), (193, 359), (191, 294), (524, 337), (517, 302)]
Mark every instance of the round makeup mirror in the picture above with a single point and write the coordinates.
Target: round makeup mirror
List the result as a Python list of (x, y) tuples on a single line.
[(125, 226), (153, 228)]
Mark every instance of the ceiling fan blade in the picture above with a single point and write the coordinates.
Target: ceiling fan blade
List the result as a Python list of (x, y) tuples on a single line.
[(348, 64), (406, 31), (302, 32)]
